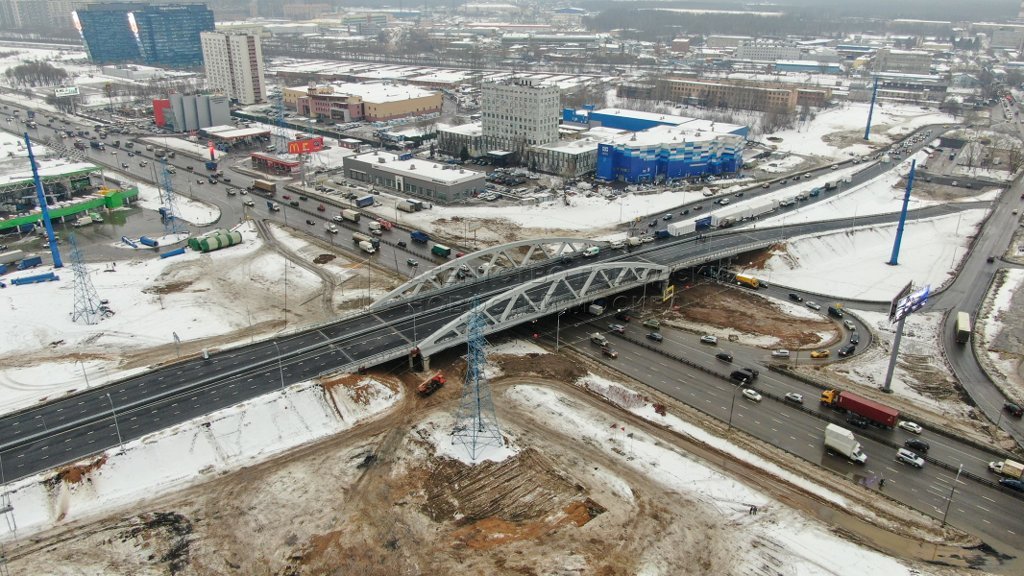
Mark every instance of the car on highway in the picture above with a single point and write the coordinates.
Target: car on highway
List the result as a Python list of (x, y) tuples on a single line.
[(623, 315), (124, 164), (609, 352), (724, 356), (1012, 483), (910, 426), (709, 339), (858, 421), (667, 216), (855, 338), (917, 445), (199, 181), (849, 325), (143, 164), (909, 457), (794, 397), (813, 305), (990, 259), (1013, 409), (617, 328), (751, 395), (795, 297), (401, 244), (231, 191), (657, 337), (780, 353), (286, 196), (310, 222), (652, 223), (411, 262), (248, 202), (823, 353), (847, 350)]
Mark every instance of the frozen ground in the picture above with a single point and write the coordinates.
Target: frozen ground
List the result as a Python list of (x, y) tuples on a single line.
[(929, 251), (190, 210), (998, 333)]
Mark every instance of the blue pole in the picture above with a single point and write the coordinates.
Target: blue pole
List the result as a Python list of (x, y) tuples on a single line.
[(871, 110), (894, 259), (57, 263)]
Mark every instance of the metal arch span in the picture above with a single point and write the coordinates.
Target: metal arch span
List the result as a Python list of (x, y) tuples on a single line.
[(488, 262), (546, 295)]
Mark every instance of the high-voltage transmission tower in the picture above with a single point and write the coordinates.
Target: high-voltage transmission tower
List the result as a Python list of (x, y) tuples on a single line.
[(173, 225), (476, 425), (281, 137), (87, 302)]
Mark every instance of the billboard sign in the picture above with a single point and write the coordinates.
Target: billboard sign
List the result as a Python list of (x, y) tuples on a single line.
[(911, 303), (306, 145), (65, 91)]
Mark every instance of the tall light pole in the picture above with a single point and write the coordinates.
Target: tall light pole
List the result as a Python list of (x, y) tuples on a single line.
[(280, 366), (558, 327), (84, 375), (952, 490), (116, 427), (732, 406)]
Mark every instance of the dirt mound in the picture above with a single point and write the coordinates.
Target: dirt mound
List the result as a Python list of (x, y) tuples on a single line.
[(725, 307), (169, 288), (76, 473), (544, 365), (324, 258)]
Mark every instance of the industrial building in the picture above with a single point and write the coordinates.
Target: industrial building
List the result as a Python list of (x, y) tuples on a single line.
[(454, 139), (743, 95), (70, 190), (517, 113), (234, 65), (670, 152), (903, 61), (370, 102), (153, 34), (181, 113), (415, 177)]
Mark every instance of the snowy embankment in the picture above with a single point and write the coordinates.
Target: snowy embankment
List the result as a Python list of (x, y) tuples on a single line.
[(204, 448), (192, 211), (195, 296), (997, 339)]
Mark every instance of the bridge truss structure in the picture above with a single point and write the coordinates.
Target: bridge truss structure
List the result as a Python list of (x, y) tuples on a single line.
[(489, 262)]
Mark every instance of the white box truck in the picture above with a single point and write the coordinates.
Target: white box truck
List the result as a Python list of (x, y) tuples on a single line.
[(843, 442), (1008, 468), (680, 228)]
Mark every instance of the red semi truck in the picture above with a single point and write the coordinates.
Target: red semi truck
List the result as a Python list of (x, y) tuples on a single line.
[(878, 413)]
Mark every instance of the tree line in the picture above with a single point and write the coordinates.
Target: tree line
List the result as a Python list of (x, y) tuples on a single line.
[(36, 73)]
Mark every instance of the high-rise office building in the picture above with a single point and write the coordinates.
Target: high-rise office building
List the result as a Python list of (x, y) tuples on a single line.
[(153, 34), (518, 113), (234, 65)]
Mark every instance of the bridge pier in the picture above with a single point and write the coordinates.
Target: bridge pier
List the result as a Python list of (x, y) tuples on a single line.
[(424, 364)]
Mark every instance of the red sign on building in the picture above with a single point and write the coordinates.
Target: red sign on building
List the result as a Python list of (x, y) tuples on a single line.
[(306, 145)]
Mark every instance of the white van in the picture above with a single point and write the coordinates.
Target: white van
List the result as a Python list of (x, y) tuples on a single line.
[(620, 243), (592, 251)]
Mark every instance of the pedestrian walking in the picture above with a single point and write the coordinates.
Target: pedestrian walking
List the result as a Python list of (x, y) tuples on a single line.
[(881, 483)]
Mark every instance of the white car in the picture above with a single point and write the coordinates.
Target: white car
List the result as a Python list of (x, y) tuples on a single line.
[(813, 305), (708, 339), (910, 426), (751, 395), (780, 353), (794, 397)]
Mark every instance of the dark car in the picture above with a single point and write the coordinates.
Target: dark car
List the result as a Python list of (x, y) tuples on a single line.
[(847, 350), (990, 259), (1012, 483), (652, 223), (917, 445), (401, 244), (795, 297), (858, 421), (623, 315), (310, 222), (855, 338), (1013, 409), (655, 336), (724, 356), (412, 262)]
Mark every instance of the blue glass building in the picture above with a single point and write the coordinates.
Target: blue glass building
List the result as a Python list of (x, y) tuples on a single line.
[(164, 35)]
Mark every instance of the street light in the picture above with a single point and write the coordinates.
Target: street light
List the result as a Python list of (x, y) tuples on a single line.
[(952, 490), (732, 406), (116, 427), (280, 366), (558, 326)]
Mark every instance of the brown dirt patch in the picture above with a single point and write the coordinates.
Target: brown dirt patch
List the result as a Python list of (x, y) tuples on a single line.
[(169, 288), (728, 307), (324, 258), (76, 473), (544, 365)]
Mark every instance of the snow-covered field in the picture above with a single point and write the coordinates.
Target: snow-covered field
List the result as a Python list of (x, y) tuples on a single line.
[(190, 210), (997, 324)]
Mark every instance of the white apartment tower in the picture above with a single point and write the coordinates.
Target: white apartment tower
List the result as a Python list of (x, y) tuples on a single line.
[(234, 65), (518, 113)]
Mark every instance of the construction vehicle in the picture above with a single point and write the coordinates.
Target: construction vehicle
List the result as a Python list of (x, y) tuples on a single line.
[(1008, 468), (878, 413), (749, 281), (430, 385)]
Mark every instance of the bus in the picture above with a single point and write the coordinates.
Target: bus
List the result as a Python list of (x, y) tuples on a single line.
[(963, 327)]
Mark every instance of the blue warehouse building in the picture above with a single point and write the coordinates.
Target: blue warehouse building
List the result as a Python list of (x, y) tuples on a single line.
[(662, 146)]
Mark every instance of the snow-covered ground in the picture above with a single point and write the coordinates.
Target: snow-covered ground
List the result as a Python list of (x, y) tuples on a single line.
[(853, 263), (189, 209), (203, 448), (998, 324)]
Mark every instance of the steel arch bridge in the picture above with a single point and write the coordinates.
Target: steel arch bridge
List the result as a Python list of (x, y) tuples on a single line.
[(546, 295), (488, 262)]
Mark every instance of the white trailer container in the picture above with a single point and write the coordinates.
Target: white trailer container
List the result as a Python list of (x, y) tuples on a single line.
[(350, 215), (681, 228), (842, 441)]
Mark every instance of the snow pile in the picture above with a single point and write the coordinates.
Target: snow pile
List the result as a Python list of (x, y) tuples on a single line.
[(852, 263), (517, 347), (194, 211), (242, 435), (438, 432)]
